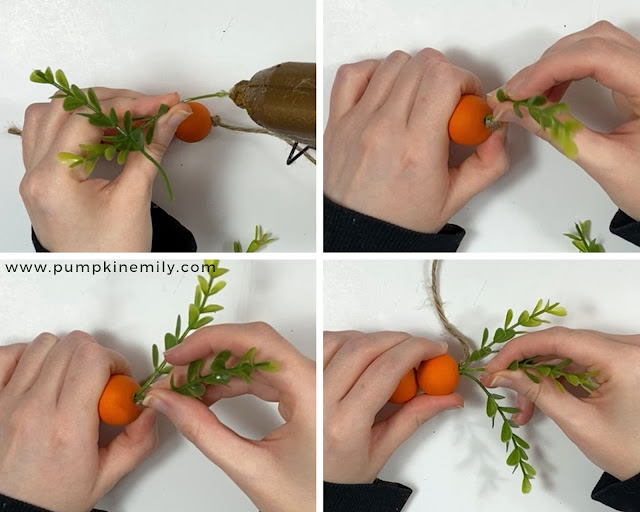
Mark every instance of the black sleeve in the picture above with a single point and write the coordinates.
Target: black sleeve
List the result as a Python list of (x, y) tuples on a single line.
[(346, 230), (10, 505), (380, 496), (623, 496), (168, 234), (625, 227)]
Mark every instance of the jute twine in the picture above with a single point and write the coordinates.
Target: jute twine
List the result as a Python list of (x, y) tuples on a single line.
[(437, 302), (14, 130)]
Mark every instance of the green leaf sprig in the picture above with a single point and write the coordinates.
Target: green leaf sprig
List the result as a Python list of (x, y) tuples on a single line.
[(561, 132), (127, 139), (555, 372), (259, 241), (219, 373), (581, 239), (516, 446), (198, 317)]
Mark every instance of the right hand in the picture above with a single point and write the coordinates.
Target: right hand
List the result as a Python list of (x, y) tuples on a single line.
[(612, 57), (361, 371), (604, 425), (277, 472), (71, 213)]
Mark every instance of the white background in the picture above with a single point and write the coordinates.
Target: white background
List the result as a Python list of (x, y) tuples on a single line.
[(544, 193), (224, 185), (130, 312), (455, 462)]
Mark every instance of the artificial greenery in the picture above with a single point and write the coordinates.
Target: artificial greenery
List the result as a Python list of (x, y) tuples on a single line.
[(128, 137), (199, 316), (581, 239), (561, 132), (260, 239), (131, 135), (516, 446)]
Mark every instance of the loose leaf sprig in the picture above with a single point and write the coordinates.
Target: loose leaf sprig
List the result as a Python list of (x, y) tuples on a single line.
[(555, 371), (197, 317), (128, 137), (581, 239), (516, 446), (561, 132), (259, 241), (508, 332), (219, 373)]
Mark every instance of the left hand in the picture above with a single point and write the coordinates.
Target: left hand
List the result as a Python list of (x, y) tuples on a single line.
[(386, 145), (49, 454)]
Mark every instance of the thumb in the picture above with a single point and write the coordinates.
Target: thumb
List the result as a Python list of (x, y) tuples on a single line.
[(397, 428), (139, 171), (195, 421), (126, 451), (477, 172), (557, 405)]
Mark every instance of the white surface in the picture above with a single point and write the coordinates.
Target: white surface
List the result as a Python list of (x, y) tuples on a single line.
[(130, 312), (544, 193), (455, 462), (224, 185)]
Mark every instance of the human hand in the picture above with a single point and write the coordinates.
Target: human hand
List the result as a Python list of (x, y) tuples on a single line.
[(604, 424), (277, 472), (612, 57), (386, 145), (72, 213), (361, 372), (49, 393)]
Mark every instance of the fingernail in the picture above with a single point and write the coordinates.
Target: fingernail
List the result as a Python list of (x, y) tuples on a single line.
[(444, 347), (153, 402), (511, 88), (455, 407), (500, 382), (176, 118), (170, 351)]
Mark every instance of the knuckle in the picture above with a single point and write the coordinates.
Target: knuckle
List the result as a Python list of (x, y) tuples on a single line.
[(348, 72), (603, 27), (33, 189), (398, 57), (373, 133), (594, 45), (533, 392), (81, 336), (431, 54), (262, 329), (90, 352)]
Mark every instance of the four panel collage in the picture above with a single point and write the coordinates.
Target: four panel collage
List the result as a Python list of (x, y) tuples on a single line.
[(323, 255)]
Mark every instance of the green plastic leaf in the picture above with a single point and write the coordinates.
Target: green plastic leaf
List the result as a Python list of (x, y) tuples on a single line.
[(514, 458), (524, 317), (193, 315), (501, 96), (212, 308), (513, 366), (122, 156), (155, 356), (79, 94), (505, 434), (178, 326), (220, 271), (217, 287), (148, 138), (203, 321), (193, 371), (196, 390), (220, 361), (508, 319), (109, 153), (100, 120), (170, 341), (237, 247), (93, 99), (543, 371), (217, 379), (572, 379), (532, 377), (485, 336), (69, 158), (113, 116), (559, 311), (520, 442), (492, 408), (127, 121), (49, 75), (526, 485), (62, 79), (204, 284), (537, 101), (70, 103), (197, 300), (499, 336), (510, 410), (495, 396), (38, 77), (528, 468)]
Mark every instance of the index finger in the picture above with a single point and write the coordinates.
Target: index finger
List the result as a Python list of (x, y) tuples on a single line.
[(239, 338), (613, 65), (585, 348)]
